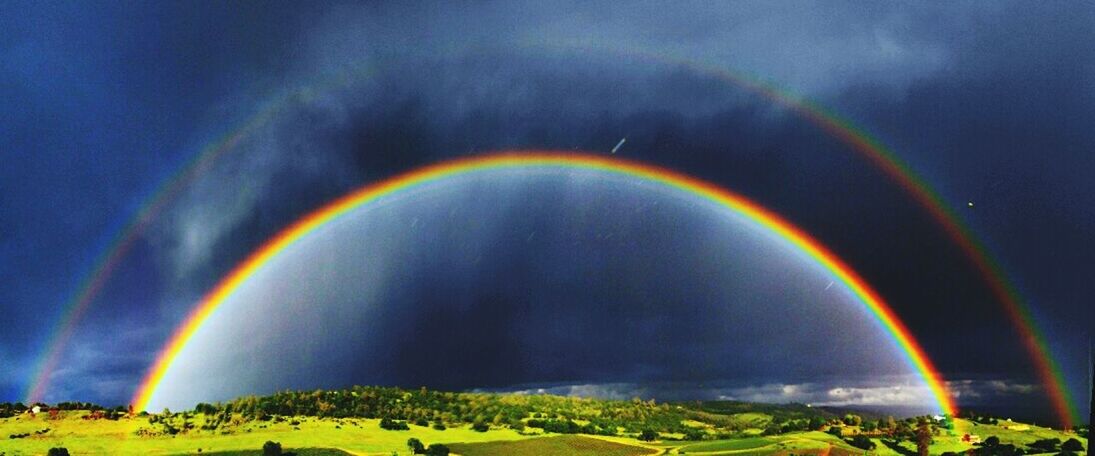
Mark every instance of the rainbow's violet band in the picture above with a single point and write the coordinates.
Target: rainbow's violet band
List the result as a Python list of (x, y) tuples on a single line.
[(756, 214)]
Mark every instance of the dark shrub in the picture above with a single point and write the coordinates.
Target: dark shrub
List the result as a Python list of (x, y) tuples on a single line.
[(57, 452), (437, 449), (392, 425), (862, 442), (271, 449), (415, 446)]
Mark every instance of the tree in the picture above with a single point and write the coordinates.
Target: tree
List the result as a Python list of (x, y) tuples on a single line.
[(58, 452), (852, 420), (271, 448), (416, 446), (923, 438), (648, 435), (1072, 445)]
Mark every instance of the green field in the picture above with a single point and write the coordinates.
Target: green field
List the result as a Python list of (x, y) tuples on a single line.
[(231, 434), (291, 452), (355, 436), (564, 444), (729, 445)]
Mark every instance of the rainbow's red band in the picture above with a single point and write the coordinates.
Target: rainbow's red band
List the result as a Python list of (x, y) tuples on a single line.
[(752, 211)]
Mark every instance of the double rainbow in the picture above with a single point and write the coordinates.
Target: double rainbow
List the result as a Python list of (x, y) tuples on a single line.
[(1015, 308), (762, 217)]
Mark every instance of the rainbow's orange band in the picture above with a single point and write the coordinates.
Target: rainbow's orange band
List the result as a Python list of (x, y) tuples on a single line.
[(536, 159)]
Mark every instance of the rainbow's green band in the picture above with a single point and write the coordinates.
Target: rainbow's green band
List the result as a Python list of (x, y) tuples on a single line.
[(763, 218)]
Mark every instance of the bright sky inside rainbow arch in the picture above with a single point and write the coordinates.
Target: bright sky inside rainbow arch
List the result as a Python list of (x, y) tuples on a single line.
[(691, 262), (1053, 386)]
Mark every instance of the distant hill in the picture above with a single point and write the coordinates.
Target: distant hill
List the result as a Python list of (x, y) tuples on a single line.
[(559, 414)]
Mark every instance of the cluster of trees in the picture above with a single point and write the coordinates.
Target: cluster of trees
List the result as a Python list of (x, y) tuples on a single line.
[(173, 423), (568, 426), (1068, 447), (993, 447), (481, 410), (10, 409), (398, 408), (393, 425), (918, 430)]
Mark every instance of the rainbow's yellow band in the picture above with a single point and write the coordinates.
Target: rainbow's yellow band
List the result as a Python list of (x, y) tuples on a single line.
[(545, 159)]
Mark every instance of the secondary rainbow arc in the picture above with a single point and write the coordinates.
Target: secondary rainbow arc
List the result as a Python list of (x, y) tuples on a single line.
[(873, 150), (755, 213)]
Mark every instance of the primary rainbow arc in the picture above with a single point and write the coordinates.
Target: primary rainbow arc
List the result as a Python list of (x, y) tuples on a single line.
[(755, 213)]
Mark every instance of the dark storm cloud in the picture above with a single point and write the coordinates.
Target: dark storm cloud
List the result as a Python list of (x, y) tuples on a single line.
[(99, 105), (983, 112)]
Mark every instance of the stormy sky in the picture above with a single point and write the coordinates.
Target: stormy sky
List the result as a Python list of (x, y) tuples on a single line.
[(989, 103)]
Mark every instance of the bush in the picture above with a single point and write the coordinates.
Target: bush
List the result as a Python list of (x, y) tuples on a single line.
[(439, 426), (271, 449), (648, 435), (415, 446), (57, 452), (862, 442), (437, 449), (1072, 445), (480, 426), (1046, 445), (392, 425)]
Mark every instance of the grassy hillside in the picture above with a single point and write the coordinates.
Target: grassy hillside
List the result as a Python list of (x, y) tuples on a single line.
[(379, 421), (106, 437), (573, 445)]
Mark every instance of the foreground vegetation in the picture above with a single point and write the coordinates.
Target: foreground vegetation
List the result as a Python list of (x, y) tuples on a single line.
[(386, 421)]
